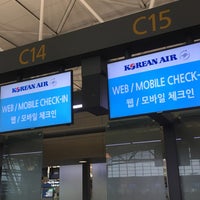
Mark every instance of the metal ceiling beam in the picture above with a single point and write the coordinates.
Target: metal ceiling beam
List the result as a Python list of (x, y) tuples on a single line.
[(19, 32), (133, 4), (30, 12), (92, 11), (152, 4), (41, 20), (143, 4), (65, 16), (12, 43)]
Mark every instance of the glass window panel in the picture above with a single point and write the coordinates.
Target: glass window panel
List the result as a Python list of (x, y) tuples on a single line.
[(71, 182), (188, 144), (99, 181), (139, 161), (22, 167)]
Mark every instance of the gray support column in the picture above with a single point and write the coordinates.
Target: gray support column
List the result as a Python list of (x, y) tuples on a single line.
[(1, 162), (94, 85), (168, 122), (172, 162), (87, 187)]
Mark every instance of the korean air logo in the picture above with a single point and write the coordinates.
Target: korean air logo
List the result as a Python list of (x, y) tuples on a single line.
[(185, 55), (53, 82), (30, 86), (129, 67), (154, 61), (17, 89)]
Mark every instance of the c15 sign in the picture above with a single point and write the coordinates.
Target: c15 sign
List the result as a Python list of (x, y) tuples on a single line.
[(157, 82), (36, 103)]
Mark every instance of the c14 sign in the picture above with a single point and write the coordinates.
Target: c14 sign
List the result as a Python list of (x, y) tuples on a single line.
[(157, 82)]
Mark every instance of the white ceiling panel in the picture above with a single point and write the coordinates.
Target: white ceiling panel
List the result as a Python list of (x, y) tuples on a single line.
[(9, 11), (22, 31), (110, 9), (78, 18), (5, 44)]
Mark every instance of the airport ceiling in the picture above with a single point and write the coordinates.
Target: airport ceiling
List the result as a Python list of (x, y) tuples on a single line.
[(20, 20)]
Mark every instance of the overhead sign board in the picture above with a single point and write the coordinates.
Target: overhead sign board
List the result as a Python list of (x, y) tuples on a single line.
[(157, 82), (36, 103)]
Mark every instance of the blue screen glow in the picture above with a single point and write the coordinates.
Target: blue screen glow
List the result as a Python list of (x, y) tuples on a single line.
[(36, 103), (157, 82)]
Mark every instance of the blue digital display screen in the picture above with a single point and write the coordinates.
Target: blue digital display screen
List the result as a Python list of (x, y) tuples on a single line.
[(36, 103), (162, 81)]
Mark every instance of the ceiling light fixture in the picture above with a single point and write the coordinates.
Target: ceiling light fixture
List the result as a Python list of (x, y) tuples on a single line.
[(77, 106)]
